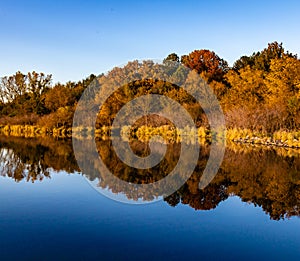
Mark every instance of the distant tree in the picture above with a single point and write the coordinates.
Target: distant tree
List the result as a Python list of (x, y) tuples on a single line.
[(283, 82), (38, 83), (262, 60), (264, 91), (22, 93), (207, 62), (13, 86), (243, 62), (58, 96), (172, 57), (273, 51)]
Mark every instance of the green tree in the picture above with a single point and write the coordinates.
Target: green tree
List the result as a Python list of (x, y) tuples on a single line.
[(172, 57)]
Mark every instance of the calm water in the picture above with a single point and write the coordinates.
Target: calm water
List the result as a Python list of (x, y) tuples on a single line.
[(49, 210)]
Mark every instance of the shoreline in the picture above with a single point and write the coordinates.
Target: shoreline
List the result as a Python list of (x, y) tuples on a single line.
[(284, 139)]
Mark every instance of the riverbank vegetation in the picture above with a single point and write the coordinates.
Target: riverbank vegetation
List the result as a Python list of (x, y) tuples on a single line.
[(259, 94)]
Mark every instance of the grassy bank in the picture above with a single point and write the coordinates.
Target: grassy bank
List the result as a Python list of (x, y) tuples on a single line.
[(289, 139), (30, 131)]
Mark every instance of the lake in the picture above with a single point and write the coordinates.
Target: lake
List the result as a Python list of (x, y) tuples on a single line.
[(50, 210)]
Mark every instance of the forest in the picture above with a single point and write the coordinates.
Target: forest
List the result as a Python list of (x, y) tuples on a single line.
[(260, 92)]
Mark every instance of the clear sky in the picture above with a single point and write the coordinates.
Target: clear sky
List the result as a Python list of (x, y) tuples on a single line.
[(72, 39)]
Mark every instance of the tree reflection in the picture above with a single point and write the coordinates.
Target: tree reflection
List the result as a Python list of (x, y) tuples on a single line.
[(31, 159), (262, 176)]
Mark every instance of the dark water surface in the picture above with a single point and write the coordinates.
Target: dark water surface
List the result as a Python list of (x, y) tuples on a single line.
[(49, 211)]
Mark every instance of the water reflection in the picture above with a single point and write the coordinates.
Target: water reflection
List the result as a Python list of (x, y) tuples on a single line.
[(31, 159), (265, 177)]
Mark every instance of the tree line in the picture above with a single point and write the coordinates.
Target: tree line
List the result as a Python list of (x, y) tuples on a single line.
[(260, 92), (32, 99)]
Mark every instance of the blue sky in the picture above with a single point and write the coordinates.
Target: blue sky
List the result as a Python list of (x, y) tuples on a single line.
[(71, 39)]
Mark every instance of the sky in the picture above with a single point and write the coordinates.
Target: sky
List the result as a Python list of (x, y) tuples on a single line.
[(72, 39)]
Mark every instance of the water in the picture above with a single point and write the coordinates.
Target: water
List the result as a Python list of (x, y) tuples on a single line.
[(49, 211)]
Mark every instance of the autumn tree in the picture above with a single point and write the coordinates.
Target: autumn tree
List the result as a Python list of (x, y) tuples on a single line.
[(262, 60), (264, 91), (38, 83), (12, 87), (58, 96), (22, 93), (283, 83), (207, 62)]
